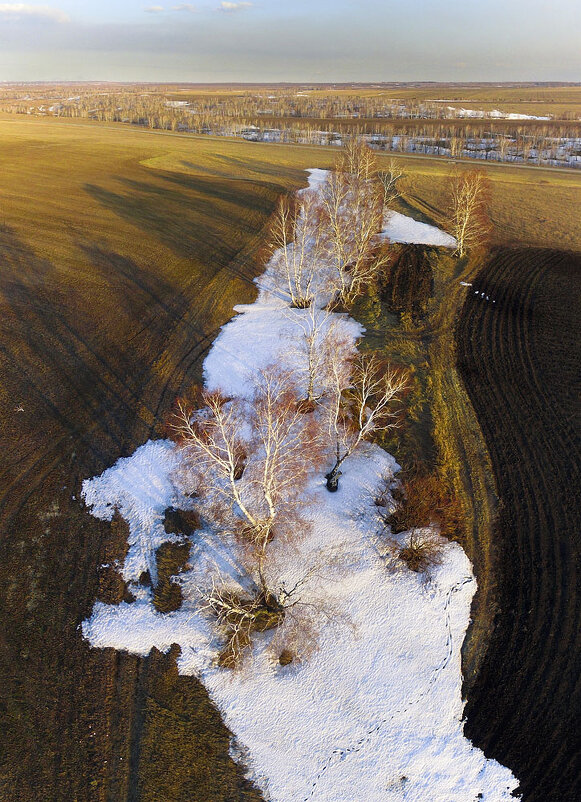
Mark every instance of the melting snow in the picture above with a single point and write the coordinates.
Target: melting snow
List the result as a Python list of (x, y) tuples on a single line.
[(401, 228), (375, 712)]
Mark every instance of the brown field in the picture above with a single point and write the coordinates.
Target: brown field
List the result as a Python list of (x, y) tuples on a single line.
[(519, 98), (122, 251), (114, 280), (520, 360)]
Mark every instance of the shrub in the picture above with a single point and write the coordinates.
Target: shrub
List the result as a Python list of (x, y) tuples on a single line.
[(423, 550), (240, 617), (286, 657), (426, 501)]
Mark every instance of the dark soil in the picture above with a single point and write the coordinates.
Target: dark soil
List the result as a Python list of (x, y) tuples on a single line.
[(520, 359), (89, 365)]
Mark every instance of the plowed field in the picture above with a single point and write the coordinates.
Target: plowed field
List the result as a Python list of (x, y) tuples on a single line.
[(520, 358)]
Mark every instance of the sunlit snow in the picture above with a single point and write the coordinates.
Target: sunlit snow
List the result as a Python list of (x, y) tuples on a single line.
[(401, 228), (375, 712)]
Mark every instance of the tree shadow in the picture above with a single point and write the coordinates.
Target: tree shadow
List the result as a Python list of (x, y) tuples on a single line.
[(67, 383), (80, 385), (291, 175), (204, 220)]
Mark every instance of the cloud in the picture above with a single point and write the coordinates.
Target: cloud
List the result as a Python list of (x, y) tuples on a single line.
[(190, 7), (230, 7), (19, 10)]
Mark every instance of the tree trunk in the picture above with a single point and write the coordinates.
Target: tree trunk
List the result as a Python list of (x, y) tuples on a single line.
[(333, 479)]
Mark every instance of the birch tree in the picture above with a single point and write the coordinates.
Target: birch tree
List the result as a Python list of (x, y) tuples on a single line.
[(352, 218), (469, 221), (357, 160), (296, 240), (317, 344), (247, 463), (503, 146), (361, 403), (390, 177)]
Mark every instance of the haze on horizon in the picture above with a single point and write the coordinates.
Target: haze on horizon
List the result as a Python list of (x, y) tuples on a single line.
[(295, 40)]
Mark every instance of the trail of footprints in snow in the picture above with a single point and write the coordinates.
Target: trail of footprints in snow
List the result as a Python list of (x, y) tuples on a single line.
[(338, 755)]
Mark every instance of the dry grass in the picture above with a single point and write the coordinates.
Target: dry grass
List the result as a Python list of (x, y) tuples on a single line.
[(529, 205), (422, 551), (535, 100), (426, 501)]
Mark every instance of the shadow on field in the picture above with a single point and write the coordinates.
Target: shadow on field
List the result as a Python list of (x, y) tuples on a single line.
[(196, 218), (88, 360), (262, 168), (292, 175)]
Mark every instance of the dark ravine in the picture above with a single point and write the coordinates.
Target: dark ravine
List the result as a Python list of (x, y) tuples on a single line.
[(520, 359)]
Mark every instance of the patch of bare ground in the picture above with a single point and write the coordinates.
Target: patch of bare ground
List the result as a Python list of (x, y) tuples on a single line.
[(520, 360)]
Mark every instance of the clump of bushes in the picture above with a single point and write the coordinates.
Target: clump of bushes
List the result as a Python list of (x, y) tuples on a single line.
[(240, 617), (424, 500), (423, 550), (286, 657), (427, 510)]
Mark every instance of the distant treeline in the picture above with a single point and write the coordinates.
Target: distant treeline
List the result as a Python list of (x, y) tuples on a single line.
[(407, 125)]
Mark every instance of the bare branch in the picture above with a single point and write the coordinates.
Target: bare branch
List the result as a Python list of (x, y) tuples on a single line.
[(249, 486), (469, 200), (389, 177), (361, 404), (296, 242)]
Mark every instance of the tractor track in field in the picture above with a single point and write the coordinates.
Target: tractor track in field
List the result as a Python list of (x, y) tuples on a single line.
[(80, 723), (520, 361)]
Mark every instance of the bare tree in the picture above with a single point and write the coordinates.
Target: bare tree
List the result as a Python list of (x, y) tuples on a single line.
[(540, 146), (352, 218), (389, 178), (526, 147), (296, 238), (239, 614), (357, 160), (457, 144), (297, 611), (469, 221), (316, 344), (249, 485), (362, 403), (503, 146)]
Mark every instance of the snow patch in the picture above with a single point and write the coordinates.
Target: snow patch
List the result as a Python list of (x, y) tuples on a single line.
[(375, 713), (140, 488), (401, 228)]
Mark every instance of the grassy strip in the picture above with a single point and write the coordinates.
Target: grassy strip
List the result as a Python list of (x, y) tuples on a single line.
[(441, 434), (463, 461)]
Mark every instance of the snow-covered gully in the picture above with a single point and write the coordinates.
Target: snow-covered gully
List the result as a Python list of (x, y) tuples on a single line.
[(371, 707)]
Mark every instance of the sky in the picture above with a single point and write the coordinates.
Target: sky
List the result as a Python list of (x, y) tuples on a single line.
[(291, 40)]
